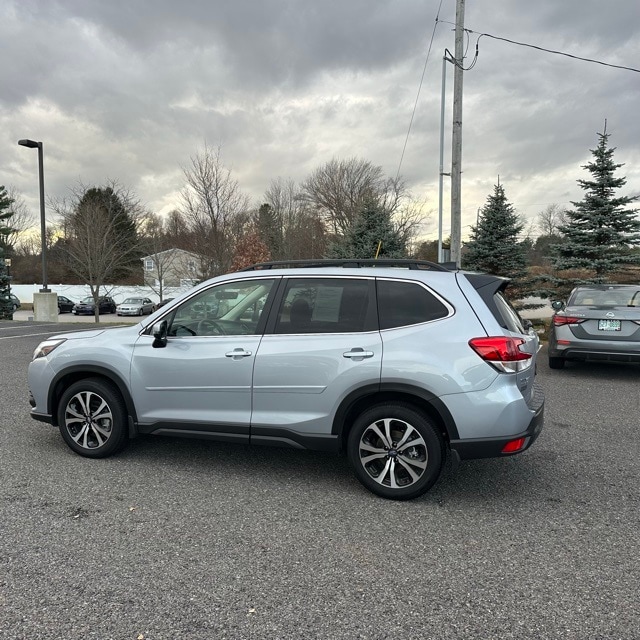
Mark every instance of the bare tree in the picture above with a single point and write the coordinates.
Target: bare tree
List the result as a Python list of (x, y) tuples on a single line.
[(170, 265), (339, 189), (22, 219), (303, 231), (100, 234), (550, 219), (215, 209)]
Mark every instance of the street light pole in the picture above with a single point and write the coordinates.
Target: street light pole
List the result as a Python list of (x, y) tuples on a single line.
[(32, 144)]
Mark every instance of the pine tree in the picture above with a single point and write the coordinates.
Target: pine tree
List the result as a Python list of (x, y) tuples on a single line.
[(600, 232), (6, 308), (372, 229), (494, 246)]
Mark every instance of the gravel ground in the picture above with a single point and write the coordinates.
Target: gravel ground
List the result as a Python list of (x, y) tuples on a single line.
[(189, 539)]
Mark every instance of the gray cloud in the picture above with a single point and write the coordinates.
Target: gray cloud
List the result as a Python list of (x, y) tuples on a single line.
[(130, 90)]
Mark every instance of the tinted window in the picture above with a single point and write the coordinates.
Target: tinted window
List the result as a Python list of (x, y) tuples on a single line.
[(232, 308), (404, 303), (327, 305)]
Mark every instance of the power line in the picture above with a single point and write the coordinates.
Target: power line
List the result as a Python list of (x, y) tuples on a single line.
[(560, 53), (415, 106), (554, 51)]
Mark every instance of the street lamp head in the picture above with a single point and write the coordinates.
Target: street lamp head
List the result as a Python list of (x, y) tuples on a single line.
[(32, 144)]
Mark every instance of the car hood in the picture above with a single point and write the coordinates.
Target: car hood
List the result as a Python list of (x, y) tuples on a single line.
[(91, 333)]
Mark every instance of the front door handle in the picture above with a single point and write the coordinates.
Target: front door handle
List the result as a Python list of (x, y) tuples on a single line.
[(358, 354), (237, 354)]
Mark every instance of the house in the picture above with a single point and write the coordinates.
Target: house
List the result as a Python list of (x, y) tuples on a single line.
[(171, 268)]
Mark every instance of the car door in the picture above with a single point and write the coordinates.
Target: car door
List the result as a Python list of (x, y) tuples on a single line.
[(201, 380), (320, 345)]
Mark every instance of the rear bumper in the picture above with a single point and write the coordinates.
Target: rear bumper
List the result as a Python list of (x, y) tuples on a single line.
[(473, 448), (593, 355)]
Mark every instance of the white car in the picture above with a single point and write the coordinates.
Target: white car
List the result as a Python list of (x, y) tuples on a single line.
[(135, 307)]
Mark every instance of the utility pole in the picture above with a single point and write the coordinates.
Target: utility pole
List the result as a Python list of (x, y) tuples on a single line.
[(456, 139)]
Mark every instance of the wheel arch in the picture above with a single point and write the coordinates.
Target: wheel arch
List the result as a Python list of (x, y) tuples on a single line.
[(421, 399), (71, 375)]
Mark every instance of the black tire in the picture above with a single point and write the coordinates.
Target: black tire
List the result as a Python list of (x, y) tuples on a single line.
[(412, 468), (556, 363), (92, 418)]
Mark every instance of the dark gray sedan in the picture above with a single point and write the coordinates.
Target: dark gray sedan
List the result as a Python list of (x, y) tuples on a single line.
[(599, 322)]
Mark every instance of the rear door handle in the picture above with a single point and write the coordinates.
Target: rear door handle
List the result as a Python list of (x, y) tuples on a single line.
[(358, 354), (237, 354)]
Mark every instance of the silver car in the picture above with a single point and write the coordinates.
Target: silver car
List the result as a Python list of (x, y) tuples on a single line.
[(135, 307), (398, 363), (598, 323)]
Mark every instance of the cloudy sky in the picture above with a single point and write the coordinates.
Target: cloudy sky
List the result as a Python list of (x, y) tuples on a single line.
[(130, 89)]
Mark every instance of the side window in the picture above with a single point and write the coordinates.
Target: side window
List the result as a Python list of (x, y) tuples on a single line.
[(509, 315), (232, 308), (401, 304), (326, 305)]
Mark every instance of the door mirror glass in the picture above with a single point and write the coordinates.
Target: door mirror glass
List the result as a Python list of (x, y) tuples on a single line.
[(558, 305)]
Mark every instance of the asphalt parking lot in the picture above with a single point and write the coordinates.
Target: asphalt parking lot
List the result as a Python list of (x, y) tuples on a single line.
[(190, 539)]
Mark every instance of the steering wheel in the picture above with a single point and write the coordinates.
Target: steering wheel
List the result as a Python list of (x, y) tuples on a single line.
[(209, 327)]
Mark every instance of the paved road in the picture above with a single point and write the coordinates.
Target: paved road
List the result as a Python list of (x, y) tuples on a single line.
[(188, 539)]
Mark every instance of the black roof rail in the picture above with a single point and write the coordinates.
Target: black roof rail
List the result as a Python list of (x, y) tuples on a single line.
[(348, 263)]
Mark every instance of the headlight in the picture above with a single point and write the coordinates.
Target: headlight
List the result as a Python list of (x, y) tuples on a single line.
[(46, 347)]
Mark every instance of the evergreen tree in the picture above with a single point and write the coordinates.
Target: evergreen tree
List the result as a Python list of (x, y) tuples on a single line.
[(270, 229), (600, 232), (372, 229), (6, 308), (494, 246)]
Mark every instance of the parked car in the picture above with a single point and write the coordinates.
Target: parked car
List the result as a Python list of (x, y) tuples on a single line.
[(135, 307), (16, 302), (598, 322), (65, 305), (399, 367), (87, 306)]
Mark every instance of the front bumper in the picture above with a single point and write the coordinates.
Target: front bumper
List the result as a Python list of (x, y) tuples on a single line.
[(473, 448)]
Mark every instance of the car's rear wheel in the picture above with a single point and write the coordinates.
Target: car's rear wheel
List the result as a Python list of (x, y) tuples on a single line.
[(556, 363), (92, 418), (396, 451)]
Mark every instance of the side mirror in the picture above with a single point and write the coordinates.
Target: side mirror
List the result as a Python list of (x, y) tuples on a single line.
[(159, 333), (527, 324), (557, 305)]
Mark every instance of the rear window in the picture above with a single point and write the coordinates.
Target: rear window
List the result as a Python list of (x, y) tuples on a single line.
[(605, 298), (401, 304)]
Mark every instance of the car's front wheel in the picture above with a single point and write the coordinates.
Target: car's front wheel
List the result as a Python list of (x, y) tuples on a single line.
[(92, 418), (396, 451)]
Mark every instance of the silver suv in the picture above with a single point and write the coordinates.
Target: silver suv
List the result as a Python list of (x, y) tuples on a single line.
[(398, 363)]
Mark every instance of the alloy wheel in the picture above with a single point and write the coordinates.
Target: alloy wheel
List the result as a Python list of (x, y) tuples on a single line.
[(393, 453), (88, 420)]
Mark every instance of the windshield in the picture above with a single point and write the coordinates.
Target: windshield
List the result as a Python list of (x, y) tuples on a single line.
[(613, 297), (133, 301), (87, 300)]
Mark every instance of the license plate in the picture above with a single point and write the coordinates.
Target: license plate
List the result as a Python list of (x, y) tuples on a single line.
[(609, 325)]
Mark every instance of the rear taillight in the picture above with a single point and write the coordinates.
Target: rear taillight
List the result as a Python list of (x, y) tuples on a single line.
[(502, 353), (558, 321)]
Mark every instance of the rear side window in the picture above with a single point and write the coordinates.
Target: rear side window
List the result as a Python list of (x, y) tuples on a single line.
[(510, 318), (401, 304), (326, 305)]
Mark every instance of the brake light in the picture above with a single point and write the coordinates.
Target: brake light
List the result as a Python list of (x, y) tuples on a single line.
[(558, 321), (502, 353), (514, 446)]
